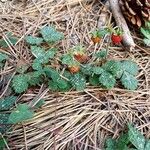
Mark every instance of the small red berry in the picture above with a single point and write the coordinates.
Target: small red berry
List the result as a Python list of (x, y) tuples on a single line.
[(116, 39), (74, 69)]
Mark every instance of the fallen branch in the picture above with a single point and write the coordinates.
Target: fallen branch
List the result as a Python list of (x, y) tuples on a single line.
[(120, 21)]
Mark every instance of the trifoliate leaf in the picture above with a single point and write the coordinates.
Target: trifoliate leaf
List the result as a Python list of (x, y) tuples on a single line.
[(67, 59), (101, 54), (53, 85), (12, 39), (21, 113), (3, 122), (110, 144), (7, 103), (130, 66), (129, 81), (3, 57), (20, 83), (51, 35), (136, 138), (147, 145), (40, 103), (146, 42), (112, 66), (78, 82), (37, 51), (33, 40), (94, 80), (86, 69), (97, 70), (107, 80)]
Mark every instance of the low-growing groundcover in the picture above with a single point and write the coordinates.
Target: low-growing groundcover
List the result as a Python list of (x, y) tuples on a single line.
[(70, 73)]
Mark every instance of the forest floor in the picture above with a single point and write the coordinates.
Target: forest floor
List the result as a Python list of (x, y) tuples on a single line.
[(73, 120)]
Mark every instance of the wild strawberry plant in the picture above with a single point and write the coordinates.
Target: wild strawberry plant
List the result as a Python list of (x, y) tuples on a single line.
[(131, 140)]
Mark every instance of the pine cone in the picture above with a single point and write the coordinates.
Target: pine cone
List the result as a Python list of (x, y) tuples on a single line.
[(136, 11)]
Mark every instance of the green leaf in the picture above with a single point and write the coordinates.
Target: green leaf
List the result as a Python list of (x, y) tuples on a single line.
[(40, 103), (130, 66), (146, 41), (34, 78), (67, 59), (107, 80), (129, 81), (110, 144), (36, 65), (62, 84), (53, 85), (136, 138), (20, 83), (12, 39), (37, 51), (86, 69), (2, 143), (145, 32), (94, 80), (33, 40), (51, 53), (67, 74), (112, 66), (98, 70), (3, 122), (52, 73), (147, 145), (21, 113), (78, 82), (122, 142), (7, 103), (3, 57), (101, 54), (51, 35)]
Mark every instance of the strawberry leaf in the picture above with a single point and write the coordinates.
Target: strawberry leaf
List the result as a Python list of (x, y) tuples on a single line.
[(147, 145), (20, 83), (2, 143), (78, 82), (146, 41), (21, 113), (7, 103), (101, 54), (86, 69), (3, 122), (98, 70), (107, 80), (136, 138), (130, 67), (3, 57), (94, 80), (52, 85), (67, 59), (112, 66), (12, 39), (110, 144), (37, 51), (33, 40), (145, 32), (129, 81), (51, 35)]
